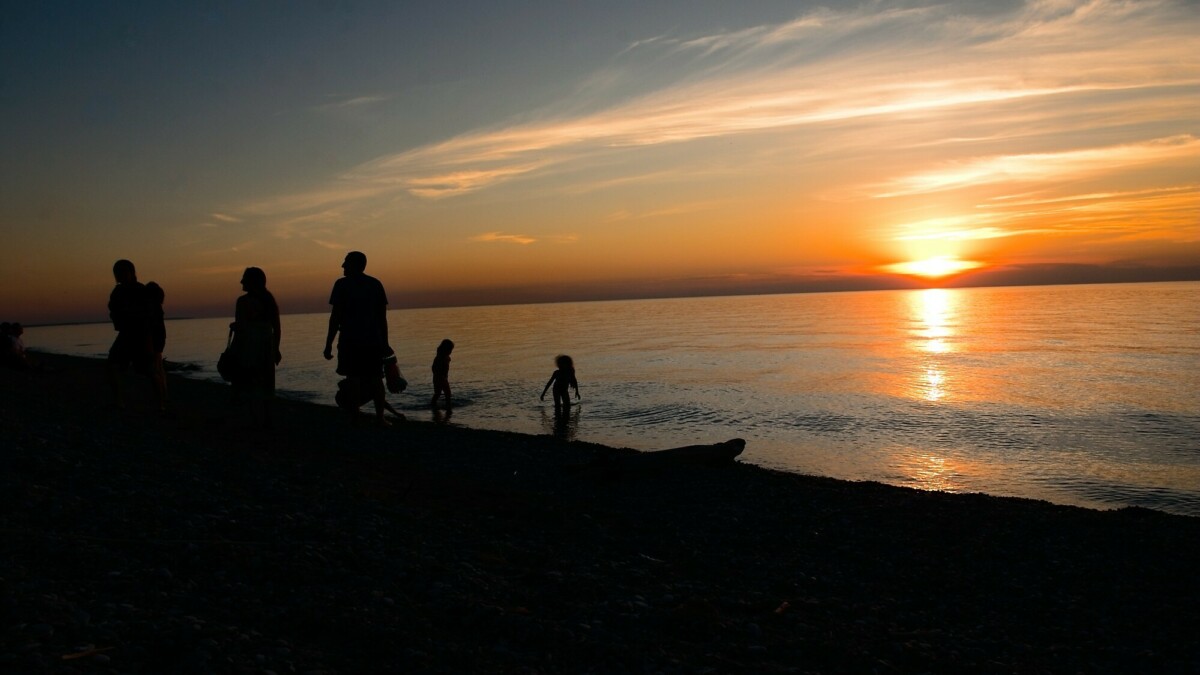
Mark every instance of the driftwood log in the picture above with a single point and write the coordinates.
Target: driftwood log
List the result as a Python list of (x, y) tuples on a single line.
[(711, 454)]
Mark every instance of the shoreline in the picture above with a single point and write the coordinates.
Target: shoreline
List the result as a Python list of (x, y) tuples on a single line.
[(145, 544)]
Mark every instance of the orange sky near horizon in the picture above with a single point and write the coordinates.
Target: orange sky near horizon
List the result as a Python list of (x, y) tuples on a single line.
[(657, 153)]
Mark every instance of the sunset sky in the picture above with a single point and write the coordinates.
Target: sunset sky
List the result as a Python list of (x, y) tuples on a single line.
[(483, 152)]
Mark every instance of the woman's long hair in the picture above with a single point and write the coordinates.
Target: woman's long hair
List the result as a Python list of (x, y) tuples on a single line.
[(256, 285)]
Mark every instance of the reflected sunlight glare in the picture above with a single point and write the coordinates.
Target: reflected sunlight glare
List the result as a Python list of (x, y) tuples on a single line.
[(932, 472), (934, 384), (935, 315), (934, 318)]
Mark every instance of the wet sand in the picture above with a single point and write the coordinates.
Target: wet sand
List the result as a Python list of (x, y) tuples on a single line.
[(140, 544)]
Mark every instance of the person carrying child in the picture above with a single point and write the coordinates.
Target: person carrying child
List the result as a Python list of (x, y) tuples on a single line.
[(129, 307), (358, 319), (561, 380)]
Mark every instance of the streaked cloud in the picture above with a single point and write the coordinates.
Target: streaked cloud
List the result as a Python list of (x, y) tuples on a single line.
[(675, 210), (824, 69), (1043, 167), (216, 270), (342, 103), (926, 233), (330, 245), (504, 238)]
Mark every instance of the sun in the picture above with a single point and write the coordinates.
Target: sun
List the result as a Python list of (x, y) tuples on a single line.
[(933, 268)]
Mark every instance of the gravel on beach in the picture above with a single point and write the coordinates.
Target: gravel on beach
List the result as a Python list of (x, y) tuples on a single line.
[(140, 543)]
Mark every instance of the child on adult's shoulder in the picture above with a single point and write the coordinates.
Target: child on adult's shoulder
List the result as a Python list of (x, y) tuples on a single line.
[(561, 380), (441, 373)]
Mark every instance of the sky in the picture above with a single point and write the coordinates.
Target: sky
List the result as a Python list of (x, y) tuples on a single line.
[(499, 152)]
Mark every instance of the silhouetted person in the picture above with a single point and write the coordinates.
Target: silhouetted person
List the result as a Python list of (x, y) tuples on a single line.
[(441, 373), (256, 346), (128, 307), (13, 346), (14, 349), (156, 320), (561, 380), (359, 320)]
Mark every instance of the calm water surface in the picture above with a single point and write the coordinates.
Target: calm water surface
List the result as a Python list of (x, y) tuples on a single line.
[(1084, 395)]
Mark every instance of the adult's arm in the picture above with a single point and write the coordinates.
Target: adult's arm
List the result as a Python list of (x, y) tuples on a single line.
[(382, 317), (277, 332), (335, 322)]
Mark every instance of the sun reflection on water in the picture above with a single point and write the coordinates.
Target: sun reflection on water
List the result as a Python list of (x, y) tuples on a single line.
[(932, 472), (934, 317), (935, 314), (934, 384)]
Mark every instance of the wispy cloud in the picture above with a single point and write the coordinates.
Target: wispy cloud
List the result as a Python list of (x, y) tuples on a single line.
[(342, 102), (525, 239), (1042, 167), (331, 245), (504, 238), (215, 270), (675, 210), (836, 72)]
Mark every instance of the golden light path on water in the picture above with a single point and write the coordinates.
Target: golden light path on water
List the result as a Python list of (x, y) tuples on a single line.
[(933, 318)]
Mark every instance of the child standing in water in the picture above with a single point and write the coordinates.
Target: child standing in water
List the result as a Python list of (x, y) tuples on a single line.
[(562, 378), (441, 373)]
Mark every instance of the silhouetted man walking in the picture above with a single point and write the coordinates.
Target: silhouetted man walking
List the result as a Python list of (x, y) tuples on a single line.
[(359, 319)]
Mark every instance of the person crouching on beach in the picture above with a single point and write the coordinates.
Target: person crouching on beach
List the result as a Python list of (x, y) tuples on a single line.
[(441, 373), (562, 378)]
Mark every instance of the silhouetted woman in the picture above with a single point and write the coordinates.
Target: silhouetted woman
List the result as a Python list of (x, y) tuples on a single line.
[(256, 344)]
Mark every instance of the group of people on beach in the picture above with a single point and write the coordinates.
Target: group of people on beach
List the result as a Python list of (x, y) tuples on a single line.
[(358, 321)]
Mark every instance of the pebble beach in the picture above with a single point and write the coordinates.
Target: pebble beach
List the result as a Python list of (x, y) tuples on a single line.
[(185, 543)]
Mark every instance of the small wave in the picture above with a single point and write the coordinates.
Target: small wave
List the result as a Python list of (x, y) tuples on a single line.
[(827, 423), (1114, 495), (662, 414)]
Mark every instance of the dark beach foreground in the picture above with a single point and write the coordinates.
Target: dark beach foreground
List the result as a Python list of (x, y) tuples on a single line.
[(134, 543)]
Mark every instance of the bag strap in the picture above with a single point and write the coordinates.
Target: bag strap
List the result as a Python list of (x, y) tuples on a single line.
[(229, 340)]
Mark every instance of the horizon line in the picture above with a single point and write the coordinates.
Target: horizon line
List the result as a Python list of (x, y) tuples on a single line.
[(916, 285)]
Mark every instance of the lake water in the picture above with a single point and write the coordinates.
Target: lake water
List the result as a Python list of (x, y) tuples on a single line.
[(1086, 395)]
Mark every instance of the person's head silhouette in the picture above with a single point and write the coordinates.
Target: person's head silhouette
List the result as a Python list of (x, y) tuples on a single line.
[(124, 272), (254, 279), (355, 263)]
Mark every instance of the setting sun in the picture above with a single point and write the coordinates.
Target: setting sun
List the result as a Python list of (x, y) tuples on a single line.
[(934, 268)]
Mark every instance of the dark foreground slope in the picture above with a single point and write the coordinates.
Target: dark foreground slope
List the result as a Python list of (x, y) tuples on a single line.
[(134, 544)]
